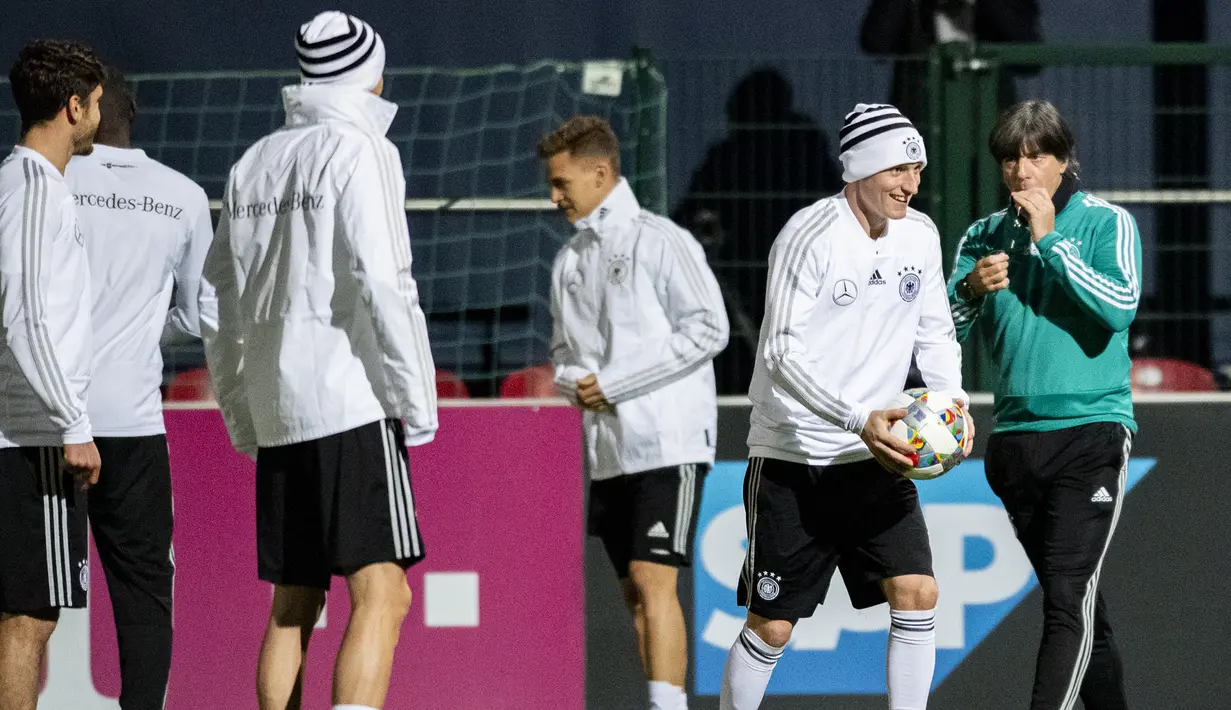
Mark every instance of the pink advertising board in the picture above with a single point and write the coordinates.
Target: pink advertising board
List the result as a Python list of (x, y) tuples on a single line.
[(497, 617)]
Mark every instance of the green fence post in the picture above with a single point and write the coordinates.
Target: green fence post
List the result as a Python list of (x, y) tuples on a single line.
[(957, 92), (651, 117), (938, 196), (985, 72), (956, 179)]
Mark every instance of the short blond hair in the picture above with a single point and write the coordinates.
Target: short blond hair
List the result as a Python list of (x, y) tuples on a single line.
[(583, 137)]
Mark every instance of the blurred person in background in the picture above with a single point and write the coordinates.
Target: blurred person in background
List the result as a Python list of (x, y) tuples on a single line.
[(637, 319), (147, 228), (906, 29), (318, 351)]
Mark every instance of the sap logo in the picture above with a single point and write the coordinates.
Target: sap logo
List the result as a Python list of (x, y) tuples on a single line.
[(982, 572)]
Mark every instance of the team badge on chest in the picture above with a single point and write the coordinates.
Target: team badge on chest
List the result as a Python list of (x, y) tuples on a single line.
[(617, 269), (910, 285)]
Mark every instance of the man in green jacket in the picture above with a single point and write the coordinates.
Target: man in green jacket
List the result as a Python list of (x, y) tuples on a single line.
[(1051, 284)]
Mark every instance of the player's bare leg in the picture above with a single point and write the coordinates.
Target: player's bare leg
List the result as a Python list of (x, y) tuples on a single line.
[(775, 632), (912, 639), (635, 608), (666, 639), (379, 599), (279, 673), (23, 643)]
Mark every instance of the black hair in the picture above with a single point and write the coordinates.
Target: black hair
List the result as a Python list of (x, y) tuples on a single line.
[(48, 73)]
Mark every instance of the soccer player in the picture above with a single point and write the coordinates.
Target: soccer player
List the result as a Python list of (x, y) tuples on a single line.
[(855, 289), (1051, 285), (47, 452), (147, 228), (319, 355), (638, 318)]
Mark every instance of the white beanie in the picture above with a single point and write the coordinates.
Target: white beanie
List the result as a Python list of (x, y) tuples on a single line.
[(877, 137), (340, 49)]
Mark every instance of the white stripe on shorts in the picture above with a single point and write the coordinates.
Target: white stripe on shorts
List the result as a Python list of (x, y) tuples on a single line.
[(55, 529), (752, 486), (683, 507), (395, 512), (48, 547), (411, 524), (407, 546), (66, 550)]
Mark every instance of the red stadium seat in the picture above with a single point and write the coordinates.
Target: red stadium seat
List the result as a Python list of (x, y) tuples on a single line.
[(450, 386), (1164, 374), (195, 386), (532, 382), (191, 386)]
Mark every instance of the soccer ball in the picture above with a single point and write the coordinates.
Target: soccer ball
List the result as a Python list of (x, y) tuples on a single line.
[(935, 426)]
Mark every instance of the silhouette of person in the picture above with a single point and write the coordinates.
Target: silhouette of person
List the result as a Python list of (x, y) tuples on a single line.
[(910, 28), (773, 162)]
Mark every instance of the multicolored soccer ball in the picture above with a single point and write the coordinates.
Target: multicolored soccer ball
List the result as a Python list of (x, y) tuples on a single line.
[(935, 426)]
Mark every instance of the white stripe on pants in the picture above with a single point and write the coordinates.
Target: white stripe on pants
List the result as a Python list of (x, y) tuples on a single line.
[(1091, 597)]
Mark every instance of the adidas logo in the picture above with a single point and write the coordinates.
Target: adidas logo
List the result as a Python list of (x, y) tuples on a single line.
[(876, 279), (1102, 496), (659, 530)]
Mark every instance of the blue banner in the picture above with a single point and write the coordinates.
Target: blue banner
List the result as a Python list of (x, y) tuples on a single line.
[(980, 567)]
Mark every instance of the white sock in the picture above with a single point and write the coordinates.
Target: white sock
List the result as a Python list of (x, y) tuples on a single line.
[(749, 666), (664, 696), (912, 658), (354, 707)]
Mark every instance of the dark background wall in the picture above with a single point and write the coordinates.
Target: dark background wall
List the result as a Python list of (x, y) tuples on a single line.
[(183, 35)]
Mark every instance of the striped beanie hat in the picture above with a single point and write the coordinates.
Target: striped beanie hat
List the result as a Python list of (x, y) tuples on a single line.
[(340, 49), (877, 137)]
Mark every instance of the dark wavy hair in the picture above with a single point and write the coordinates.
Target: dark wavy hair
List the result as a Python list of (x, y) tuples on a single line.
[(48, 73), (1033, 127)]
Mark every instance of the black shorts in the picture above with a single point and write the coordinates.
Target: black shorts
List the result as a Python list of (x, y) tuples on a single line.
[(649, 516), (332, 506), (44, 549), (132, 521), (806, 521)]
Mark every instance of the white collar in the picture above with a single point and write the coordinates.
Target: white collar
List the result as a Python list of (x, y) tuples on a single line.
[(617, 209), (110, 151), (317, 103), (24, 152)]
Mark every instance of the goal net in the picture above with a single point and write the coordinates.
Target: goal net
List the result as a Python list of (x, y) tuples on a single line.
[(483, 233)]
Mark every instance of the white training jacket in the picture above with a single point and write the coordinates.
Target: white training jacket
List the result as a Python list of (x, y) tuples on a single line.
[(634, 301), (147, 228), (843, 315), (46, 344), (309, 312)]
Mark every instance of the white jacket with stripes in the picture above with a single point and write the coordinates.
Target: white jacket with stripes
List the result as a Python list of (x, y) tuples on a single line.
[(843, 315), (47, 342), (309, 313), (634, 301)]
